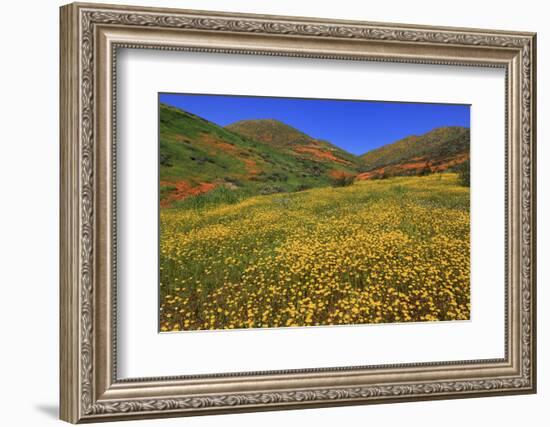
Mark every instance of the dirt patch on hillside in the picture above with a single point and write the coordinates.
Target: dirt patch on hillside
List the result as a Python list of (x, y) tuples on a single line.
[(251, 167), (213, 143), (416, 167), (336, 173), (320, 154), (369, 175), (450, 162), (183, 190)]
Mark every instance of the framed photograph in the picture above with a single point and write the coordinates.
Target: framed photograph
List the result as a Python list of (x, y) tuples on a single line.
[(266, 212)]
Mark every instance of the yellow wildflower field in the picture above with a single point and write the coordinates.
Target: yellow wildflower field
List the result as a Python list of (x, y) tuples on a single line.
[(378, 251)]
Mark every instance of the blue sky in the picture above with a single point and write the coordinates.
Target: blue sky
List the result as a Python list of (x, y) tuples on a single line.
[(355, 126)]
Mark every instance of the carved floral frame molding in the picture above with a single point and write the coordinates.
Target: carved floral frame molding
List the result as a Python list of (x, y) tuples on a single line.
[(90, 37)]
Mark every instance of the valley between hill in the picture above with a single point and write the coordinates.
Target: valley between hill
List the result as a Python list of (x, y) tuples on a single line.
[(251, 157)]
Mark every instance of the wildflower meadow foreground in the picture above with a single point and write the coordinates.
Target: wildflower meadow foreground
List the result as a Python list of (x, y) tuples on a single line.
[(377, 251)]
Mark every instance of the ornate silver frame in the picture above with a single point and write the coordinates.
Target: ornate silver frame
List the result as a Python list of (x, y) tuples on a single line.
[(90, 36)]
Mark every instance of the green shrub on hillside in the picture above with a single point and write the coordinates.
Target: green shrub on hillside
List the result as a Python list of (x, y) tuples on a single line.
[(271, 189)]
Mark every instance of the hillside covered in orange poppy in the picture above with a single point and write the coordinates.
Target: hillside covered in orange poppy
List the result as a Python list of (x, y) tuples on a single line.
[(201, 161)]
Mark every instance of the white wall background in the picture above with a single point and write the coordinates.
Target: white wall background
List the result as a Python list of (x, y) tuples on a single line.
[(29, 171)]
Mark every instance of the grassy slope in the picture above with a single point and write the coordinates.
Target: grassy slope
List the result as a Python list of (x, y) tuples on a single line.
[(198, 151), (435, 146), (377, 251), (200, 158), (282, 135)]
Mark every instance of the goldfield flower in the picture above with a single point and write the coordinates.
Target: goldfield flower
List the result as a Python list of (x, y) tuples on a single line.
[(327, 256)]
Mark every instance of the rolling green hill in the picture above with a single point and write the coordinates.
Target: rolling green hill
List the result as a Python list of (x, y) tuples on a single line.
[(282, 135), (198, 156), (437, 150), (251, 157)]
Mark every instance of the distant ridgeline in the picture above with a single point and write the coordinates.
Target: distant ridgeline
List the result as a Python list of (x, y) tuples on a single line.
[(435, 151), (267, 156)]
